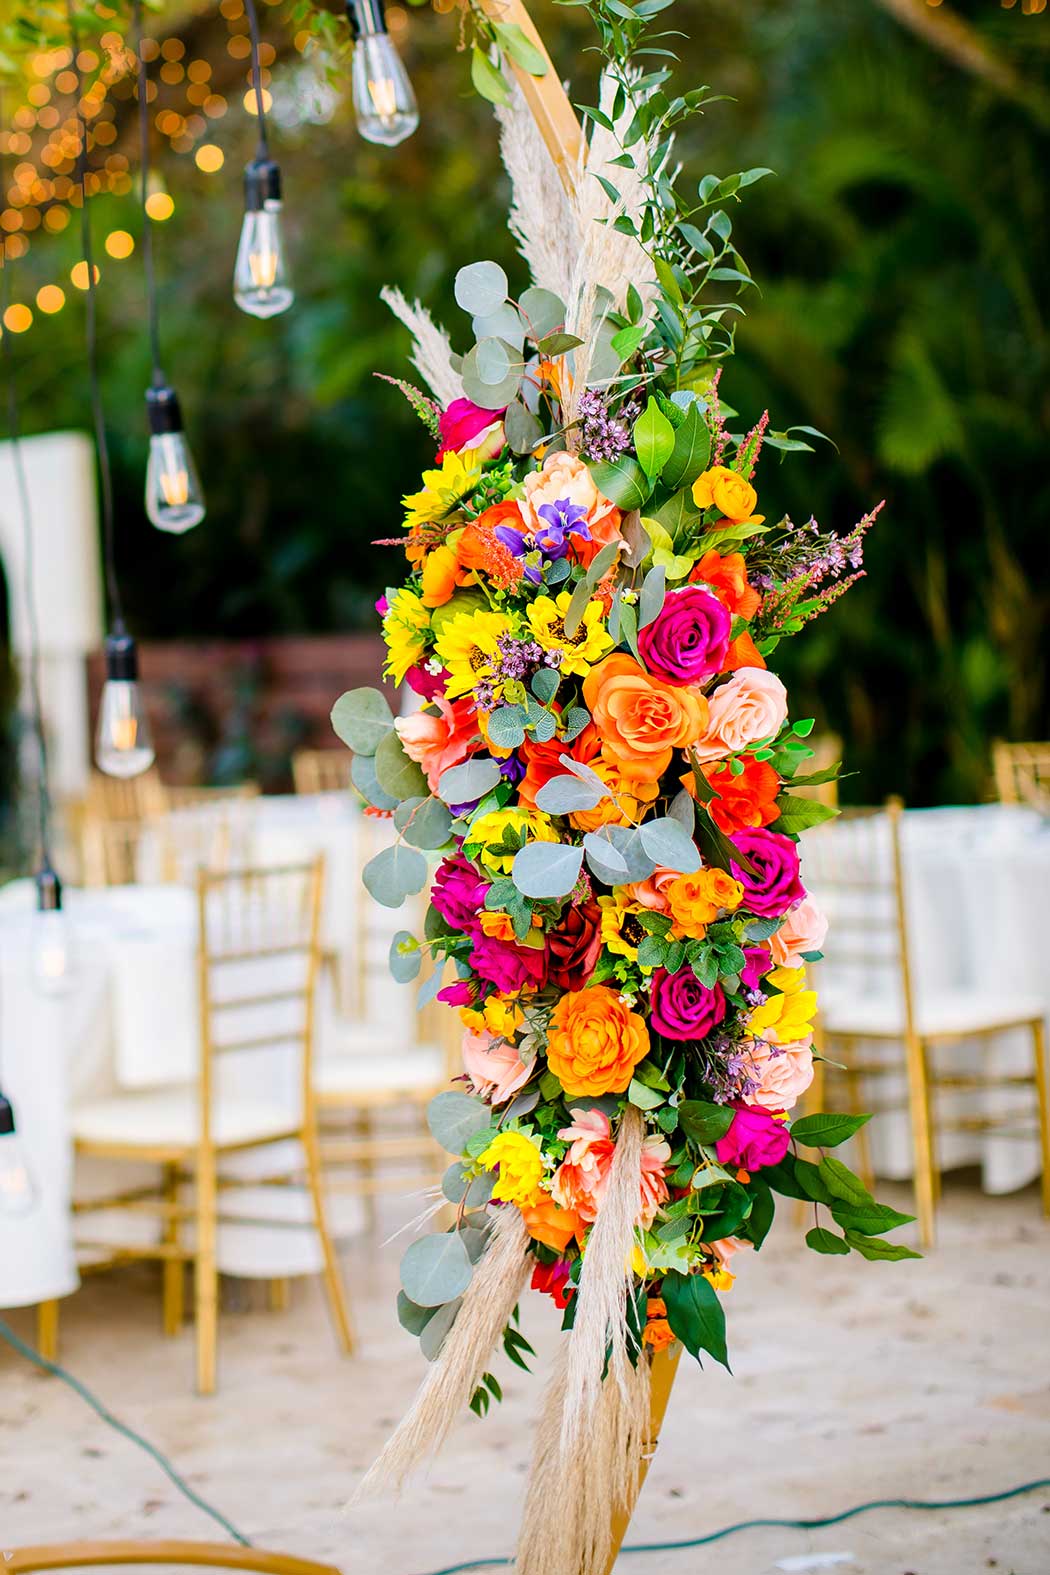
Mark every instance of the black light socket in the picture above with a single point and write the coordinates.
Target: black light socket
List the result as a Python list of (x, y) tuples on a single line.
[(48, 890), (7, 1117), (367, 18), (262, 184), (163, 410), (122, 657)]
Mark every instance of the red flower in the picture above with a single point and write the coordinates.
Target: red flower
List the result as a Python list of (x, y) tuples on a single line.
[(553, 1280), (748, 800), (574, 947)]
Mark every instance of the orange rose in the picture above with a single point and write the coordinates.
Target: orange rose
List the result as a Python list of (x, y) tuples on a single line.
[(641, 719), (658, 1332), (743, 652), (547, 1223), (727, 577), (632, 795), (543, 761), (595, 1042), (697, 900), (746, 800), (441, 575), (726, 490)]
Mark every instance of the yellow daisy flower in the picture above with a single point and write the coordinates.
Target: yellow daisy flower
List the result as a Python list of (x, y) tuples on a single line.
[(487, 832), (588, 645), (620, 928), (520, 1165), (467, 646), (444, 489), (406, 626)]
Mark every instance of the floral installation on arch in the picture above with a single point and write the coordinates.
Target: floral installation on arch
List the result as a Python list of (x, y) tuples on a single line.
[(603, 790)]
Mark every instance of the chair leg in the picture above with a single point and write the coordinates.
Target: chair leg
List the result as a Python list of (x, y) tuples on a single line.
[(206, 1277), (919, 1110), (1043, 1095), (332, 1279), (279, 1294), (174, 1268), (47, 1330), (364, 1127)]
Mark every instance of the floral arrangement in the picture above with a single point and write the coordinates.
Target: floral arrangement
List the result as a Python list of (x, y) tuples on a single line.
[(603, 789)]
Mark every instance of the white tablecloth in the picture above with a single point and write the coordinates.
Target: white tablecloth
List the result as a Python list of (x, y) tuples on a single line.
[(976, 881)]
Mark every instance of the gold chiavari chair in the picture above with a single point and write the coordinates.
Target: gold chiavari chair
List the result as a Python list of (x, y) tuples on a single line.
[(258, 963), (173, 831), (1022, 774), (105, 1555), (870, 993), (827, 752), (321, 770)]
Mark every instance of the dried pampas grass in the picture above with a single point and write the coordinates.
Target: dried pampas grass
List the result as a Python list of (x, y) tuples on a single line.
[(488, 1304), (542, 218), (431, 350)]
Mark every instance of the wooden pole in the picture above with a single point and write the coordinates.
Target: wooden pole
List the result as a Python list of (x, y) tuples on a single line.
[(664, 1368), (545, 96)]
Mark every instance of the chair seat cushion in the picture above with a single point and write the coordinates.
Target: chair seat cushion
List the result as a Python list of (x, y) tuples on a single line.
[(171, 1118), (954, 1012), (385, 1070)]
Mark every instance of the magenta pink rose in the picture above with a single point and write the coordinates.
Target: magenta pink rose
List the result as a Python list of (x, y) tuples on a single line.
[(680, 1007), (688, 639), (425, 684), (508, 967), (458, 893), (462, 423), (754, 1140), (773, 885)]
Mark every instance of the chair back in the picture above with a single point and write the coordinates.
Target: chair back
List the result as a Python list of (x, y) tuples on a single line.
[(258, 961), (1022, 774), (105, 1555), (125, 799), (854, 868), (321, 770)]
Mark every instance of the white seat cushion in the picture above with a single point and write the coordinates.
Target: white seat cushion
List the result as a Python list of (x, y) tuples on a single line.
[(396, 1071), (953, 1012), (171, 1117)]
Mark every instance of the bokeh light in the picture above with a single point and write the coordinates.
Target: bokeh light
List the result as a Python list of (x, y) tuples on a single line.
[(209, 158), (79, 275), (251, 106), (159, 206), (50, 298), (18, 318), (120, 244)]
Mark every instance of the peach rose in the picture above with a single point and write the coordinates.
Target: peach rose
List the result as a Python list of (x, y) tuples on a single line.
[(651, 893), (565, 476), (783, 1073), (494, 1067), (641, 719), (750, 706), (726, 490), (553, 1226), (437, 742), (581, 1178), (803, 930), (595, 1042)]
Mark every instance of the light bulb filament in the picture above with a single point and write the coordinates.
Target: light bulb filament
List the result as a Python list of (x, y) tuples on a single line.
[(263, 266), (383, 94), (175, 485), (123, 732)]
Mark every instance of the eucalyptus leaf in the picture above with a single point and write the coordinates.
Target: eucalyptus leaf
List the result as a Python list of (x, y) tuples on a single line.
[(568, 795), (394, 874), (544, 685), (547, 869), (362, 718), (651, 597), (523, 430), (396, 773), (481, 287), (363, 776), (435, 1270), (405, 957), (543, 310), (467, 783), (668, 843), (437, 1328), (506, 727), (482, 390), (429, 826), (454, 1117), (411, 1317), (627, 842), (473, 1192), (494, 359), (504, 323), (604, 860)]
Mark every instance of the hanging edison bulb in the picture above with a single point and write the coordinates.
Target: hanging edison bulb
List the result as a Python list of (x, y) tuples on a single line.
[(18, 1193), (261, 284), (384, 103), (174, 500), (54, 948), (123, 745)]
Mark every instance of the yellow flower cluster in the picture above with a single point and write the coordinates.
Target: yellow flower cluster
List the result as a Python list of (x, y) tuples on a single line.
[(521, 1168)]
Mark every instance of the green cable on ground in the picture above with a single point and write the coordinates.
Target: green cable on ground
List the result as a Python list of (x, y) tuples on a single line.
[(31, 1355), (784, 1525)]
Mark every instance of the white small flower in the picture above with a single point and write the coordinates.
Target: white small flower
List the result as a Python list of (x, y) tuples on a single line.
[(434, 665), (629, 596), (627, 999)]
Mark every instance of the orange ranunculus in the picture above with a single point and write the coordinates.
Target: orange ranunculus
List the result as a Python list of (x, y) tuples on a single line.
[(727, 577), (436, 742), (697, 900), (726, 490), (658, 1332), (641, 719), (441, 575), (543, 761), (743, 652), (595, 1042), (632, 794), (547, 1223), (747, 800)]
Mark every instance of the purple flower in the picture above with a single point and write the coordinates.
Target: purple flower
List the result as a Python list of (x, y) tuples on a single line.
[(775, 885), (683, 1008), (561, 520), (459, 893), (506, 966), (604, 436), (687, 641)]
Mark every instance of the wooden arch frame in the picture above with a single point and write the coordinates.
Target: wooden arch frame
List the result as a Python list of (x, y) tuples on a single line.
[(545, 95)]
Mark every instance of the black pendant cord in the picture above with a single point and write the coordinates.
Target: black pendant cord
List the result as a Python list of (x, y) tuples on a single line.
[(14, 435), (152, 304), (263, 150), (116, 606)]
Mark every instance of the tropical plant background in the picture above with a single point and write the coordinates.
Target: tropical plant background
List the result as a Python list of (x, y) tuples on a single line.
[(901, 252)]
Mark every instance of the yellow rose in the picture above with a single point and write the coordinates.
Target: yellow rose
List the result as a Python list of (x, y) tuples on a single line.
[(787, 1017), (725, 490), (520, 1165)]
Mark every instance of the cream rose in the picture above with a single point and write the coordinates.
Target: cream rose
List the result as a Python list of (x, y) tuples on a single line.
[(803, 930), (565, 477), (752, 705), (783, 1072)]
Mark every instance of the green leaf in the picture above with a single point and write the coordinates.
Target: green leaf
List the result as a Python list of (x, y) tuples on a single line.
[(842, 1183), (454, 1118), (654, 439), (826, 1241), (489, 81), (396, 773), (872, 1220), (523, 430), (543, 310), (651, 596), (567, 795), (411, 1317), (606, 861), (782, 1179), (362, 719), (762, 1211), (545, 684), (642, 1097), (436, 1332), (556, 344), (797, 814), (547, 869), (481, 287), (879, 1251), (467, 783), (668, 843), (428, 825), (703, 1121), (473, 1192), (506, 727), (394, 874), (691, 451), (515, 43), (435, 1270), (405, 957), (622, 481), (826, 1131), (363, 776), (696, 1315)]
